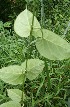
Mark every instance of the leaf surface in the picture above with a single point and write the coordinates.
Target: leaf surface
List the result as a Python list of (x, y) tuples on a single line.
[(15, 94), (12, 74), (23, 22), (34, 68), (10, 104), (52, 46)]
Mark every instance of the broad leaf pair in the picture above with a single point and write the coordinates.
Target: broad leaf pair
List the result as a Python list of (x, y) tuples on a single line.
[(15, 95), (15, 74), (50, 45)]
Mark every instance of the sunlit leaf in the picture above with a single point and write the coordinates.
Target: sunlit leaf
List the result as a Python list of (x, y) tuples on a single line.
[(15, 94), (34, 68), (10, 104), (23, 22), (12, 74), (52, 46)]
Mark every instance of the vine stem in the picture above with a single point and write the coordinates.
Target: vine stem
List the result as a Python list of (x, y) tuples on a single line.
[(48, 76), (42, 26), (66, 30), (32, 21), (34, 3), (42, 17), (27, 53), (42, 14), (30, 46)]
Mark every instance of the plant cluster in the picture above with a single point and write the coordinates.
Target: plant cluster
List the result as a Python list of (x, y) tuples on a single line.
[(46, 64)]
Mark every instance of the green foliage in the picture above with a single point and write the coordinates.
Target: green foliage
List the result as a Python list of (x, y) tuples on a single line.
[(57, 16), (24, 21), (11, 46), (50, 46), (38, 80), (34, 68), (11, 104), (53, 46), (12, 74), (15, 74), (10, 8), (15, 94)]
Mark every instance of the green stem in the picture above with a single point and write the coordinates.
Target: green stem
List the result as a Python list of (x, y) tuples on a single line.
[(32, 21), (42, 26), (42, 14), (42, 17), (30, 46), (22, 98), (48, 76), (33, 103), (34, 3), (24, 78), (29, 49)]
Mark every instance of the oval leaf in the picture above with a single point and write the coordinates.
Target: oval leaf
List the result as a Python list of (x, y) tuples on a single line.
[(23, 22), (15, 94), (52, 46), (10, 104), (12, 74), (34, 68)]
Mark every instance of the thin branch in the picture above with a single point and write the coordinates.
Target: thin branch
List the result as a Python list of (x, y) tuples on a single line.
[(66, 30), (42, 14)]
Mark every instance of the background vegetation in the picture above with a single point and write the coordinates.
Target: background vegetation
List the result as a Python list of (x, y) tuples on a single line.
[(13, 47)]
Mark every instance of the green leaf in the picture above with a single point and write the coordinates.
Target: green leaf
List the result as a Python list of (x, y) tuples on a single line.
[(7, 24), (15, 94), (10, 104), (23, 22), (12, 74), (52, 46), (34, 68)]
